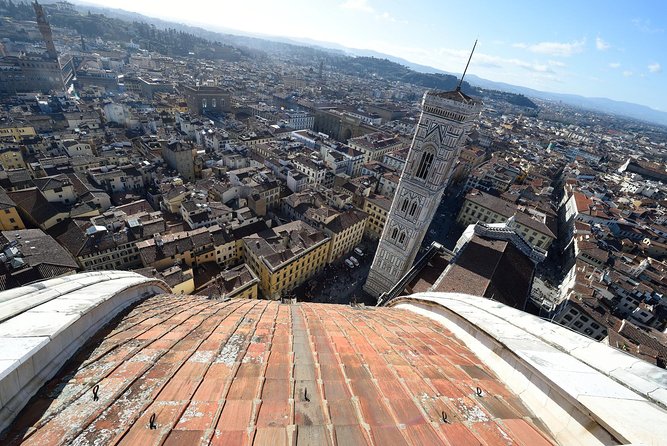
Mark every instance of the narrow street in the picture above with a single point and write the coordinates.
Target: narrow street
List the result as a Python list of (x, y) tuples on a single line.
[(444, 229)]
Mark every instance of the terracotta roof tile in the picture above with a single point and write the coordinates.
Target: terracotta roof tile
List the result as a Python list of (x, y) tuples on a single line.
[(270, 436), (239, 372), (350, 435), (273, 413)]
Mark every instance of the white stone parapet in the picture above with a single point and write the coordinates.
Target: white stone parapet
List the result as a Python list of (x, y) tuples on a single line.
[(503, 232), (42, 325), (585, 392)]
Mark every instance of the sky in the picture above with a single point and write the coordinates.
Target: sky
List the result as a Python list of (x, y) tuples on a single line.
[(614, 49)]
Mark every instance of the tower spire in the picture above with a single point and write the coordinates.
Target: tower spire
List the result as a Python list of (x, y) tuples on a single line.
[(45, 30), (458, 87)]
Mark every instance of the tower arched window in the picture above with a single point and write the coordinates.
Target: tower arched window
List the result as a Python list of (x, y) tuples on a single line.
[(394, 234), (203, 103), (425, 163), (404, 206), (413, 209), (401, 238), (213, 103)]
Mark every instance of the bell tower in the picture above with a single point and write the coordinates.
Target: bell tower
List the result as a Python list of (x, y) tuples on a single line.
[(45, 30), (445, 122)]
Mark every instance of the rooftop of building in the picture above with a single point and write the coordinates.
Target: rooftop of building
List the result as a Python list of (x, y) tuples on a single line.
[(229, 282), (507, 210), (375, 141), (30, 255), (284, 243), (484, 266), (455, 95)]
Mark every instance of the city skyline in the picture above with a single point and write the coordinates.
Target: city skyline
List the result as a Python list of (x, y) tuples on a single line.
[(593, 49)]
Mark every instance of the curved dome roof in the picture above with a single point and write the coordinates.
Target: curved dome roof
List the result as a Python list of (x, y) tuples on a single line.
[(431, 369)]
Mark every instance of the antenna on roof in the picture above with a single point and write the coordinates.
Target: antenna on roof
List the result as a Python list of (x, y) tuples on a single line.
[(458, 87)]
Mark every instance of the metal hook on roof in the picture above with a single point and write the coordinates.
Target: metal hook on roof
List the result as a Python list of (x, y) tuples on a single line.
[(305, 394), (444, 417), (95, 390), (479, 392), (151, 422)]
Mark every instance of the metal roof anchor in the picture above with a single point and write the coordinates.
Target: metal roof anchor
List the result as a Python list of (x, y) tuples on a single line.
[(479, 392), (444, 417), (95, 390), (151, 422), (305, 394)]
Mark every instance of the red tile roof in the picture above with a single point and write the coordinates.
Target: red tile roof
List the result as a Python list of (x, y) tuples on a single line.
[(259, 372)]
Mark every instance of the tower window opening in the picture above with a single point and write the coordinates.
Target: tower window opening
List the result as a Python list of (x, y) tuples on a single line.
[(404, 206), (413, 209), (394, 233), (401, 238), (424, 165)]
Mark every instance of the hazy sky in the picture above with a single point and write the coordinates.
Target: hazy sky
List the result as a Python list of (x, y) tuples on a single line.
[(614, 49)]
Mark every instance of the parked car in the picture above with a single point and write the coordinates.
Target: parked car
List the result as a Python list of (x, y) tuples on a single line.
[(358, 252), (349, 263), (354, 260)]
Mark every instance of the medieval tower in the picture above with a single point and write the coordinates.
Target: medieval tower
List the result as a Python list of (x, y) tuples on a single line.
[(444, 124), (45, 30)]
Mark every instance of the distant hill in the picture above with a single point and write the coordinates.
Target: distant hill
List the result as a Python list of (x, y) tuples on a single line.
[(165, 40), (276, 43), (604, 105)]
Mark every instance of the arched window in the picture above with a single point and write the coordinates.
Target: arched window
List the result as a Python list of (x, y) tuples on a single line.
[(394, 233), (401, 239), (213, 103), (413, 209), (404, 206), (203, 103), (424, 165)]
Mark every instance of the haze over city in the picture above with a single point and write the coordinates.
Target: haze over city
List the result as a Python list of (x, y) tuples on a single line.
[(606, 49)]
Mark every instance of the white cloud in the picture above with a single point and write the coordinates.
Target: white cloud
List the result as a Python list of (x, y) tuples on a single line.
[(357, 5), (615, 65), (655, 68), (628, 73), (556, 63), (386, 16), (538, 74), (499, 62), (646, 26), (601, 44), (563, 49), (519, 45)]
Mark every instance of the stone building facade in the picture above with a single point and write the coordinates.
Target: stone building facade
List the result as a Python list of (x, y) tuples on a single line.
[(445, 122)]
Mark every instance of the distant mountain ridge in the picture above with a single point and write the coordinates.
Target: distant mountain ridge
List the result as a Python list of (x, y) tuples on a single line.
[(604, 105)]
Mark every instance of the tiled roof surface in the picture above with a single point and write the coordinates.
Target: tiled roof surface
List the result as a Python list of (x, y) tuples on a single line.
[(260, 372)]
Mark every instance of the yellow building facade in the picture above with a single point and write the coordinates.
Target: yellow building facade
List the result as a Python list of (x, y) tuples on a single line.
[(10, 219), (533, 231), (286, 256), (346, 232), (377, 207)]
